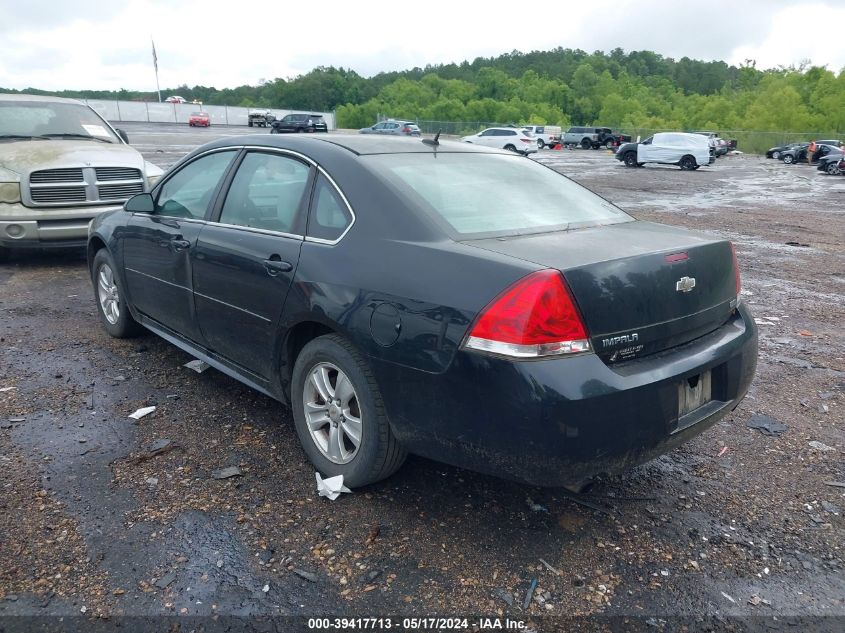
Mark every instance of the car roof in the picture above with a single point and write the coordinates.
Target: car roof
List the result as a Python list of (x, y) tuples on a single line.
[(6, 96), (359, 144)]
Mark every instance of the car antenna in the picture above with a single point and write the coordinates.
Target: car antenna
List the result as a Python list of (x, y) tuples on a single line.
[(435, 141)]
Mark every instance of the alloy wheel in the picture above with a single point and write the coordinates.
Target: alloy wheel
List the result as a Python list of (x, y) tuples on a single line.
[(332, 413), (108, 294)]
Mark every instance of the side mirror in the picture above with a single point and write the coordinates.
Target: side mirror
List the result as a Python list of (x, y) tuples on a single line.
[(140, 203), (122, 135)]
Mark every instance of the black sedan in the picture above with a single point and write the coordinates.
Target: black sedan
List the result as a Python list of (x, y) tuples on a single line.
[(775, 152), (403, 295)]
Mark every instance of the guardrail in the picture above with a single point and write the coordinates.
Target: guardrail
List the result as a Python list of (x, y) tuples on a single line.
[(152, 112)]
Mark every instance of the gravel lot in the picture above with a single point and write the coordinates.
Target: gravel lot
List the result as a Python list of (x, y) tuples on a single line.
[(735, 523)]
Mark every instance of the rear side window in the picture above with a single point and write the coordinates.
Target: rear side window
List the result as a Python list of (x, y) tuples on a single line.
[(484, 195), (329, 215)]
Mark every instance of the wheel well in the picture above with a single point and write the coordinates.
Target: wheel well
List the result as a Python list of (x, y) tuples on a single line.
[(298, 337), (94, 246)]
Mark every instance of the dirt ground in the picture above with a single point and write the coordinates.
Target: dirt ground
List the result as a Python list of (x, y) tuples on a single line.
[(736, 526)]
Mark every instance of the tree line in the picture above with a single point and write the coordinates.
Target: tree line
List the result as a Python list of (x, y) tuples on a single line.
[(634, 90)]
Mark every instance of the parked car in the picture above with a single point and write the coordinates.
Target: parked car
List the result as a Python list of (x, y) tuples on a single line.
[(511, 139), (260, 118), (175, 99), (61, 164), (775, 152), (829, 163), (299, 123), (544, 337), (199, 118), (798, 154), (394, 128), (585, 137), (545, 134), (687, 151), (722, 147)]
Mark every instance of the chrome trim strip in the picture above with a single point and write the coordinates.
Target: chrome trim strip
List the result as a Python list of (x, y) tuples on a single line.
[(253, 229), (169, 283), (171, 217), (318, 240), (229, 305)]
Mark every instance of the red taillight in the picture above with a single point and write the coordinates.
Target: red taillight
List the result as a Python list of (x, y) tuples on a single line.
[(736, 268), (406, 130), (536, 316), (525, 140)]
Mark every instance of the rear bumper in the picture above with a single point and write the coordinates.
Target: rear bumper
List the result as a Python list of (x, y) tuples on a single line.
[(558, 422)]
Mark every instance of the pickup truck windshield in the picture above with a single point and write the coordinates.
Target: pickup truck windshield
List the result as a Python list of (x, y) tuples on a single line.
[(59, 121)]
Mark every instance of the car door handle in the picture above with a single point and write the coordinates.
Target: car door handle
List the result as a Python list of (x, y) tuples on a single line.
[(180, 244), (276, 266)]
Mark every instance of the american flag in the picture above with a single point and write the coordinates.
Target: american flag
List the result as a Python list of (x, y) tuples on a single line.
[(155, 57)]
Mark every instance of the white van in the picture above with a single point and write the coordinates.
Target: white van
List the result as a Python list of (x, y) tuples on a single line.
[(687, 151), (546, 134)]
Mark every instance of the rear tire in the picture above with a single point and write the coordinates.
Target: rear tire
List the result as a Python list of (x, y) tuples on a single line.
[(631, 159), (586, 143), (687, 163), (832, 168), (249, 123), (111, 298), (378, 454)]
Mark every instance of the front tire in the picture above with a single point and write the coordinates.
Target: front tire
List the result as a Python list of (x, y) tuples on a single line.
[(585, 143), (111, 299), (789, 159), (630, 159), (775, 154), (339, 414), (540, 143), (510, 147)]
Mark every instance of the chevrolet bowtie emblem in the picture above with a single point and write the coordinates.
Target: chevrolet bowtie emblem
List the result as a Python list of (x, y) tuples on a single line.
[(685, 284)]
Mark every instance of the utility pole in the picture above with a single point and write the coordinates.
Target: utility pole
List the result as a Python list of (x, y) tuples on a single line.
[(155, 65)]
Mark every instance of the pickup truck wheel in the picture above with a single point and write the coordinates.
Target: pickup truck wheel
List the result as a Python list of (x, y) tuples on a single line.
[(586, 143), (608, 145), (249, 123), (540, 143), (631, 159), (687, 163)]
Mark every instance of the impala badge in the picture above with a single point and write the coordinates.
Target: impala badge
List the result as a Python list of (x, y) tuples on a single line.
[(685, 284)]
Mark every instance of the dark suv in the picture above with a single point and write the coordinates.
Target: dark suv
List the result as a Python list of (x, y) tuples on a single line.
[(299, 123)]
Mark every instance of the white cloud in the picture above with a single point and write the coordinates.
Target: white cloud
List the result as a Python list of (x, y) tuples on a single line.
[(224, 44)]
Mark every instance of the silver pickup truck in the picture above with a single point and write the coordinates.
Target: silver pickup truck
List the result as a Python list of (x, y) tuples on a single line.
[(61, 164)]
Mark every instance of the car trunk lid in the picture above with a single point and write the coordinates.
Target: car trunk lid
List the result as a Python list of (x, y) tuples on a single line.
[(641, 287)]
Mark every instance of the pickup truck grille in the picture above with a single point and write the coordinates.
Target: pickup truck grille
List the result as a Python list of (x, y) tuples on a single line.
[(78, 186)]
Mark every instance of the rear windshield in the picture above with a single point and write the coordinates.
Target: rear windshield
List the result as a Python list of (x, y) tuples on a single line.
[(488, 195)]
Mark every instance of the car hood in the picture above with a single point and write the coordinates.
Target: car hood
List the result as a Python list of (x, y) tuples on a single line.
[(22, 157)]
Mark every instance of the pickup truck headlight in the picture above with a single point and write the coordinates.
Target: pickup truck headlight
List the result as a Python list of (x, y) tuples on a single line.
[(152, 180), (10, 192)]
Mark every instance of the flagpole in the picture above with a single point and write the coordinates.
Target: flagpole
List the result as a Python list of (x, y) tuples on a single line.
[(155, 65)]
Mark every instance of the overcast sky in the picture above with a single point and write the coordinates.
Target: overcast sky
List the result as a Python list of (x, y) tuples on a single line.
[(77, 44)]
